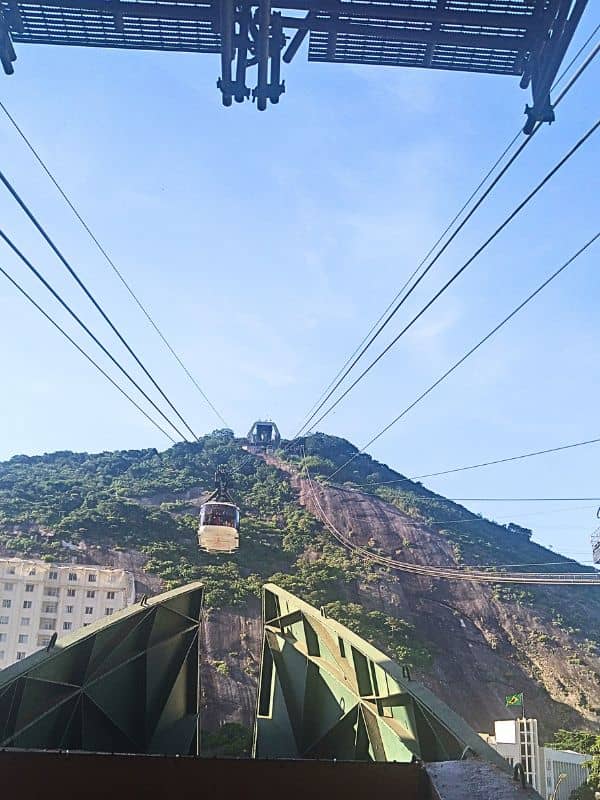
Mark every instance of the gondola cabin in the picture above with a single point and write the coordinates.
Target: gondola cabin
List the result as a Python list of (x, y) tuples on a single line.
[(219, 527)]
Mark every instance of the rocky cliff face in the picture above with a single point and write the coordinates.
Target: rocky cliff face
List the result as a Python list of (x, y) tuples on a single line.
[(232, 642), (484, 646)]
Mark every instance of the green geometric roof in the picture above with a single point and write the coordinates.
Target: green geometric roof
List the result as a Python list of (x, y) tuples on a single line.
[(130, 684), (326, 693), (126, 684)]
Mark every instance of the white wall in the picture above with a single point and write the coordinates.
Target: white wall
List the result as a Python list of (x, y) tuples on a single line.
[(515, 738), (38, 599)]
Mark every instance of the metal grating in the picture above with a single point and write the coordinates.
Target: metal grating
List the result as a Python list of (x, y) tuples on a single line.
[(527, 38), (164, 26), (352, 49), (466, 35)]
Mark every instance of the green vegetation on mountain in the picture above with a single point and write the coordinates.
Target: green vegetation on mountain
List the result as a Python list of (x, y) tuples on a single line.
[(148, 501), (140, 500), (396, 636), (231, 740), (477, 541)]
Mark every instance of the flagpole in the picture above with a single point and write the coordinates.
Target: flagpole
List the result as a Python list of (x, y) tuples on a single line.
[(528, 753)]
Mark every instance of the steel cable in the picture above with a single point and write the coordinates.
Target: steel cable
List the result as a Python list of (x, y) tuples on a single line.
[(452, 573), (485, 463), (398, 305), (108, 259), (91, 297), (506, 319), (83, 353), (82, 324)]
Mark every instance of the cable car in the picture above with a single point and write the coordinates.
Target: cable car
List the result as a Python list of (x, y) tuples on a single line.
[(219, 527)]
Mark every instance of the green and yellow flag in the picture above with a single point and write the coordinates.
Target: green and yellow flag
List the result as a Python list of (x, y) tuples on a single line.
[(513, 700)]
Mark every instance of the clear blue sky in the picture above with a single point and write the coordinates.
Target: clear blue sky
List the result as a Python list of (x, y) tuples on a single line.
[(266, 244)]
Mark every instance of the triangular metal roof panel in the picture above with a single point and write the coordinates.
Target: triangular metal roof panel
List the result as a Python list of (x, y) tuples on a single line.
[(117, 685), (397, 717)]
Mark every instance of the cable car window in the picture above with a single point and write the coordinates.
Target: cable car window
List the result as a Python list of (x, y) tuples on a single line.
[(217, 514)]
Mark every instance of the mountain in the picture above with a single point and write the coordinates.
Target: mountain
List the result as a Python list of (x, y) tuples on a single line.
[(472, 644)]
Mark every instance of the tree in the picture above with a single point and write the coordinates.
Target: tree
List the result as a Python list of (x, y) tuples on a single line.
[(579, 741), (583, 792), (519, 530)]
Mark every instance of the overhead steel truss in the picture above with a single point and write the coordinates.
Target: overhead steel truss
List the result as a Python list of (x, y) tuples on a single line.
[(526, 38), (326, 693)]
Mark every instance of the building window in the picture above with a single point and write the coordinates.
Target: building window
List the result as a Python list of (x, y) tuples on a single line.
[(32, 571), (27, 603), (47, 624), (52, 591), (24, 621), (3, 620), (109, 611), (90, 593), (23, 638), (70, 592), (89, 610), (69, 609), (43, 641), (53, 575), (20, 655), (92, 578), (10, 571), (6, 603), (72, 576), (67, 626), (49, 608), (110, 595), (29, 587), (2, 637), (8, 587), (1, 655)]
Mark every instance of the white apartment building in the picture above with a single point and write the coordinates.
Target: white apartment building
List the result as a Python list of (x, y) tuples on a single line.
[(517, 740), (39, 599)]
